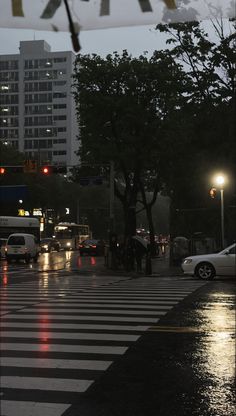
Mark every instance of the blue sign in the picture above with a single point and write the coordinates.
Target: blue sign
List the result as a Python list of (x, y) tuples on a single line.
[(13, 193)]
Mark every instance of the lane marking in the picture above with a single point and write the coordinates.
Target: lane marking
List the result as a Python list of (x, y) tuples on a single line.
[(45, 347), (68, 335), (22, 408), (55, 363), (49, 384)]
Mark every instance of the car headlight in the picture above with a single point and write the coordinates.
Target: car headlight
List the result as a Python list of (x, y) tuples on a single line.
[(68, 244), (45, 246), (187, 261)]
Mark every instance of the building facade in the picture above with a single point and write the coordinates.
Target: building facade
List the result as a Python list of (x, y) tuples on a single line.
[(37, 109)]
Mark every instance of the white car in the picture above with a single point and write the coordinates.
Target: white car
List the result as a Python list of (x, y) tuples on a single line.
[(207, 266), (22, 246)]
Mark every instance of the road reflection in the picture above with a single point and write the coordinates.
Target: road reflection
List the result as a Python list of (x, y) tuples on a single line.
[(53, 261), (214, 359)]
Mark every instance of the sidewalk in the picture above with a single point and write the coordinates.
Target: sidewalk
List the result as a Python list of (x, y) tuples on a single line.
[(159, 267)]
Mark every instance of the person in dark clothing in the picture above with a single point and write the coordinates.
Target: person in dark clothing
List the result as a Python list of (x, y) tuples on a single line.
[(129, 255), (140, 251)]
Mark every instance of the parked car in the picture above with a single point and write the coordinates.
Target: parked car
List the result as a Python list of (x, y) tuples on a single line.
[(49, 244), (3, 242), (22, 246), (92, 247), (207, 266)]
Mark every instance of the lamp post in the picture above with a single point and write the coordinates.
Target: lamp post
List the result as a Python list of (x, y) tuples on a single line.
[(220, 181)]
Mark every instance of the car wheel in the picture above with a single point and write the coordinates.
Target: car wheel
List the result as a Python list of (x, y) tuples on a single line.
[(205, 271)]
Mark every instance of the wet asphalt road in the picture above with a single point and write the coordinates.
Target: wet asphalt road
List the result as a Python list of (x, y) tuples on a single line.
[(182, 366)]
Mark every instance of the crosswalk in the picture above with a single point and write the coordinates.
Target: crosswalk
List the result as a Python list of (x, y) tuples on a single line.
[(60, 333)]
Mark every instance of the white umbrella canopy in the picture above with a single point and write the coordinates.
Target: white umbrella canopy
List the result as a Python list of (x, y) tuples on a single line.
[(100, 14)]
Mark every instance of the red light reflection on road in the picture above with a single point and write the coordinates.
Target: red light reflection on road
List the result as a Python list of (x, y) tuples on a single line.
[(5, 279), (79, 261), (93, 261), (44, 348), (44, 335)]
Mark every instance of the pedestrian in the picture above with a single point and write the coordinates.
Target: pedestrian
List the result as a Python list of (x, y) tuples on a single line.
[(140, 251), (129, 254)]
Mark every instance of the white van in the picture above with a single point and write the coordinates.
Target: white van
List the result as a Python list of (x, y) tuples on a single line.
[(22, 246)]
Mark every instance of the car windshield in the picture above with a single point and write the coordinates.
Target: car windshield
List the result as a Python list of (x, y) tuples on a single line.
[(16, 240)]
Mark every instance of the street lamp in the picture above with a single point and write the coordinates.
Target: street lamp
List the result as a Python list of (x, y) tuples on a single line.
[(220, 181)]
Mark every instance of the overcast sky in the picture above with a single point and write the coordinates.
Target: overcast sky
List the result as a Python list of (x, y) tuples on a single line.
[(135, 39)]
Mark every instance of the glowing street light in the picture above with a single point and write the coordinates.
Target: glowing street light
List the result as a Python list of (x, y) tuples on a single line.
[(220, 182)]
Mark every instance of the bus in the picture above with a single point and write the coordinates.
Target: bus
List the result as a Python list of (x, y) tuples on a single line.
[(70, 235), (26, 225)]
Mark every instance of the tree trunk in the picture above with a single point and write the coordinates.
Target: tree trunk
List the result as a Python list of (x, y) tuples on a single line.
[(151, 229)]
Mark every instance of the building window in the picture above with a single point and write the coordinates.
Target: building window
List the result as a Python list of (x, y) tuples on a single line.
[(59, 141), (59, 82), (59, 152), (59, 95), (62, 59), (5, 65), (59, 117), (59, 106)]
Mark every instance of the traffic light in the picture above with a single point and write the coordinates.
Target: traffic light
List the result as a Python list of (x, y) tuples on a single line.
[(46, 170), (212, 193), (11, 169), (49, 169)]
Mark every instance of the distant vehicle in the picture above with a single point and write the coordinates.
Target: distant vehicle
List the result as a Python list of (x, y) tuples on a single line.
[(70, 235), (49, 244), (22, 246), (92, 247), (26, 225), (207, 266), (3, 242)]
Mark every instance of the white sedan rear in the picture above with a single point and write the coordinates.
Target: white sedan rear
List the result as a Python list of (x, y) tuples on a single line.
[(207, 266)]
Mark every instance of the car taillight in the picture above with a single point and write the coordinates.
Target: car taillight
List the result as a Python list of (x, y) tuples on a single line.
[(80, 246), (93, 246)]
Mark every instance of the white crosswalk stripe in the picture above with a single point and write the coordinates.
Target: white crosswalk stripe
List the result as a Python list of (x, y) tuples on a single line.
[(60, 333)]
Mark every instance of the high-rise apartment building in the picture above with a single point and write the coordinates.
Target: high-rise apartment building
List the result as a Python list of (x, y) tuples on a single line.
[(37, 110)]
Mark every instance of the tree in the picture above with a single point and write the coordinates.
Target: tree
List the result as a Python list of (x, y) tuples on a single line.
[(209, 114), (122, 103)]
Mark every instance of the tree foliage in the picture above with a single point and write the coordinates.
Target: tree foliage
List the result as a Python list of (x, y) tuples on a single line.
[(160, 119), (122, 103)]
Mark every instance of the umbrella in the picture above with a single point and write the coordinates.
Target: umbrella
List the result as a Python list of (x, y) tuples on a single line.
[(141, 240)]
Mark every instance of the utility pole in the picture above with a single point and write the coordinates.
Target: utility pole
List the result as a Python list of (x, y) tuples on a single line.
[(112, 195)]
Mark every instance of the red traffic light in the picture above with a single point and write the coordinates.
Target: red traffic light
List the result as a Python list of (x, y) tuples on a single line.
[(46, 170), (2, 171)]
